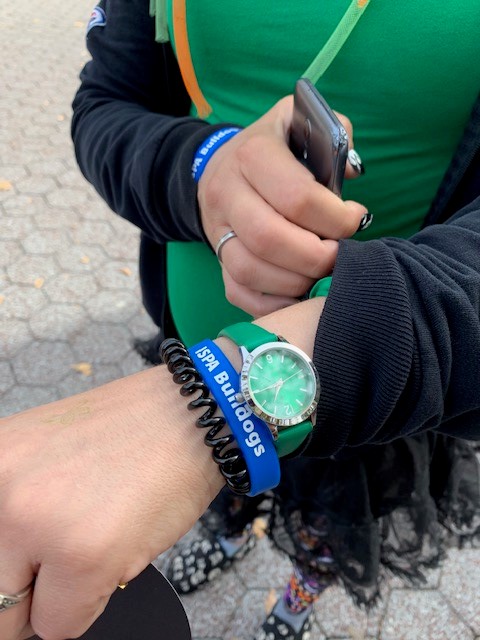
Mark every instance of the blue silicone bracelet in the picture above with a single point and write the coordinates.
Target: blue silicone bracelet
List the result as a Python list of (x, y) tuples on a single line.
[(253, 437), (208, 147)]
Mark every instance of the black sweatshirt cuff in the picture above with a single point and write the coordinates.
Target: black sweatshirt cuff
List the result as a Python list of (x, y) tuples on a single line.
[(363, 347)]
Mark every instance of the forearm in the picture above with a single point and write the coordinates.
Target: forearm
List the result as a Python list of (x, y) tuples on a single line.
[(132, 135)]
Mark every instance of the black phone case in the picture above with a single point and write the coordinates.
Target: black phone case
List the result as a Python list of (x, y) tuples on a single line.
[(317, 137)]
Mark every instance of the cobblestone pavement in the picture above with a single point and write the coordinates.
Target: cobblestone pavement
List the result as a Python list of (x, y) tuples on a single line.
[(69, 307)]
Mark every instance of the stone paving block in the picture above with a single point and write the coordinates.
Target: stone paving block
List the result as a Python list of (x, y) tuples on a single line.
[(211, 609), (65, 197), (7, 379), (45, 242), (55, 218), (21, 302), (81, 258), (21, 205), (460, 584), (91, 232), (43, 363), (62, 322), (14, 335), (338, 616), (10, 251), (35, 144), (35, 185), (44, 118), (112, 306), (16, 228), (74, 383), (67, 287), (132, 362), (21, 397), (53, 168), (124, 246), (12, 172), (71, 178), (264, 567), (142, 326), (101, 374), (38, 130), (118, 274), (94, 209), (103, 343), (51, 152), (27, 269), (422, 615)]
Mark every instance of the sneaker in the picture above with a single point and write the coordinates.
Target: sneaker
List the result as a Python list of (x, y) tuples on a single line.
[(274, 628), (202, 561)]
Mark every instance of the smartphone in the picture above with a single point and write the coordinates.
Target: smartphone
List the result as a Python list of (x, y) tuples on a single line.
[(317, 137)]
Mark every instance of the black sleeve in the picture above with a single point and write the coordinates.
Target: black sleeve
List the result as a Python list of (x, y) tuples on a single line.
[(398, 344), (133, 138)]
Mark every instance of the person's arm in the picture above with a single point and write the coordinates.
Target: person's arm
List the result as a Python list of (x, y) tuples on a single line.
[(94, 487), (398, 344)]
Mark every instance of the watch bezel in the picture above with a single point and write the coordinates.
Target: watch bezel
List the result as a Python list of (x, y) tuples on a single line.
[(250, 357)]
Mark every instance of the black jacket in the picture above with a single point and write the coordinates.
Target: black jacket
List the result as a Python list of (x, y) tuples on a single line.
[(398, 344)]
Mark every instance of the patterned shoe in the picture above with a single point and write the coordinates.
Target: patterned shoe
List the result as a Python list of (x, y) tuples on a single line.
[(274, 628), (202, 561)]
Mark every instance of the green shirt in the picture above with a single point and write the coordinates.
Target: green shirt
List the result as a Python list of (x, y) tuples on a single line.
[(407, 77)]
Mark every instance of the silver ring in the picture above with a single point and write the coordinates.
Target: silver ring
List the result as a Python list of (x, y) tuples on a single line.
[(8, 601), (225, 238)]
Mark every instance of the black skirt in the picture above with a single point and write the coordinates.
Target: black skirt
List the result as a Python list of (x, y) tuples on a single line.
[(398, 506)]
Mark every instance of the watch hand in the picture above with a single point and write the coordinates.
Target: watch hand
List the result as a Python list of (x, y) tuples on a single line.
[(276, 391), (293, 375), (270, 386)]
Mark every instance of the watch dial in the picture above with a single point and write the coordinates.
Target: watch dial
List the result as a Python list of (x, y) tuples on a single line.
[(281, 383)]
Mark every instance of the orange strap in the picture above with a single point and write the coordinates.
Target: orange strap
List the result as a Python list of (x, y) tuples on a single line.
[(185, 59)]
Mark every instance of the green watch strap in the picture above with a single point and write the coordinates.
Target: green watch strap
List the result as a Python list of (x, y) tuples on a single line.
[(291, 438), (248, 335)]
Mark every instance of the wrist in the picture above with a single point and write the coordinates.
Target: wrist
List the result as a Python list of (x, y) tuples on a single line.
[(209, 147), (182, 444)]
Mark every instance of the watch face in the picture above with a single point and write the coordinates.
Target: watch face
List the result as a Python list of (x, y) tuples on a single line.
[(280, 384)]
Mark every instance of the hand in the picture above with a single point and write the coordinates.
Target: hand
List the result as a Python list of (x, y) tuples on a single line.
[(287, 224), (92, 488)]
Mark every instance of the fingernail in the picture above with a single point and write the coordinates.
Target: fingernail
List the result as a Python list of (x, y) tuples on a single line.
[(365, 222), (356, 162)]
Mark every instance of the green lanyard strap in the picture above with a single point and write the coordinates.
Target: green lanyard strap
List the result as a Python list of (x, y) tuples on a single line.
[(330, 49)]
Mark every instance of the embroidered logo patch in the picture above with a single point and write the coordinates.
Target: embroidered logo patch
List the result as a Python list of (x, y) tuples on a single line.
[(97, 19)]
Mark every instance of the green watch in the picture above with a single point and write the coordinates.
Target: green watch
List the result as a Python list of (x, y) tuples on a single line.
[(279, 383)]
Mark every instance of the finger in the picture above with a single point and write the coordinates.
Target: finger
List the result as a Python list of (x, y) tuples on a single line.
[(67, 602), (256, 274), (290, 189), (15, 575), (278, 241), (253, 302), (14, 622)]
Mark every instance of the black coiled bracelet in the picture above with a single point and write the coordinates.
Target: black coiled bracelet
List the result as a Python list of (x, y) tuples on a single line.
[(229, 459)]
